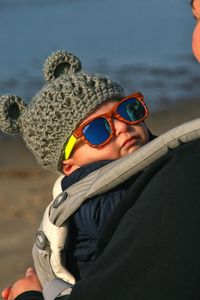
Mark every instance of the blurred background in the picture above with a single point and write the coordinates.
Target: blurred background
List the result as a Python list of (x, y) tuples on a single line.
[(146, 45)]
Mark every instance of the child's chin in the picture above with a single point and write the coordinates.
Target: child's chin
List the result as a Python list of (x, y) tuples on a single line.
[(133, 149)]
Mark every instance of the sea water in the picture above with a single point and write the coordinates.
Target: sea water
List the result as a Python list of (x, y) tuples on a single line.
[(146, 45)]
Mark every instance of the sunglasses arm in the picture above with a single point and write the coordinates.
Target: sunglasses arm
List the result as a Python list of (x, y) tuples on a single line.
[(69, 147)]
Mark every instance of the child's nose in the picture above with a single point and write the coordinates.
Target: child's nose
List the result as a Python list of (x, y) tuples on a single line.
[(120, 126)]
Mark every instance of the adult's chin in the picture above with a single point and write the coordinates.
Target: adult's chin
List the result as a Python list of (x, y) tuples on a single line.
[(196, 42)]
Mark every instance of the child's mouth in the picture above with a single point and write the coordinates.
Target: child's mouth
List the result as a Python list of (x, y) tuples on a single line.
[(130, 142)]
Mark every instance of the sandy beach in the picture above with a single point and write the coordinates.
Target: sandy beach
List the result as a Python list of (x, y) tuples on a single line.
[(26, 190)]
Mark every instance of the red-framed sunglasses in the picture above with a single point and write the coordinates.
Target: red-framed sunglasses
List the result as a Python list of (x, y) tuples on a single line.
[(99, 130)]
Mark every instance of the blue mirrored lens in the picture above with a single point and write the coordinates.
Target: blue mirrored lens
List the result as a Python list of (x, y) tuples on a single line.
[(97, 131), (131, 110)]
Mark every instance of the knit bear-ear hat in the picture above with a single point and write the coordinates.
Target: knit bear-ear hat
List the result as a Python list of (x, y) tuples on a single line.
[(68, 96)]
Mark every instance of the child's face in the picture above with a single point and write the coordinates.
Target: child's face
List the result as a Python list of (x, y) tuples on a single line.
[(127, 139)]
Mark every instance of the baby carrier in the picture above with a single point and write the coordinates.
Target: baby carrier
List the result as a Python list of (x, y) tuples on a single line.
[(52, 236)]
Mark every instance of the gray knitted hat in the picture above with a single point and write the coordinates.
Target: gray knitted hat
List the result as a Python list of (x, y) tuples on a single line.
[(67, 98)]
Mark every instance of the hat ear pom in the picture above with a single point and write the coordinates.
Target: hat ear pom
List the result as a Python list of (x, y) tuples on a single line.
[(59, 63), (11, 107)]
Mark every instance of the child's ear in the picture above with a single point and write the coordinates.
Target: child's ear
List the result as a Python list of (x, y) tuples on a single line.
[(68, 166)]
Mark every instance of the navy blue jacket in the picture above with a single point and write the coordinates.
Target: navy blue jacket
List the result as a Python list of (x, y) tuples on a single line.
[(88, 222)]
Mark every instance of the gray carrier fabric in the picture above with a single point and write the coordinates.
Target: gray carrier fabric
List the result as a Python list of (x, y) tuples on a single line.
[(51, 238)]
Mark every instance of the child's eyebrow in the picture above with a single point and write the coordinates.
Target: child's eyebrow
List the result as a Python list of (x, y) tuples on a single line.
[(191, 2)]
